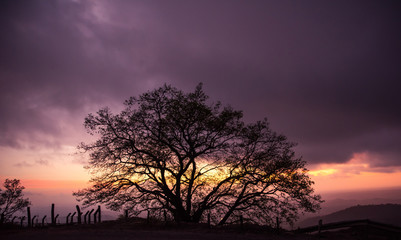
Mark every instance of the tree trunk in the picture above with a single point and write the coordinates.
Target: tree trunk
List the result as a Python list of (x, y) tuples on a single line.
[(225, 218), (181, 216), (234, 206), (198, 215)]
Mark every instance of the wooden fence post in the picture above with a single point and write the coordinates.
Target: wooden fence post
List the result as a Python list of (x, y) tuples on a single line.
[(43, 221), (12, 221), (52, 215), (79, 215), (28, 209), (320, 226), (55, 219), (66, 219), (85, 217), (99, 215), (72, 218), (22, 221), (33, 219), (95, 217), (89, 216)]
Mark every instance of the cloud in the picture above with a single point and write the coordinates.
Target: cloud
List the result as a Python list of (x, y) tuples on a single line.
[(39, 162), (325, 74), (36, 163), (46, 71), (23, 164), (360, 163)]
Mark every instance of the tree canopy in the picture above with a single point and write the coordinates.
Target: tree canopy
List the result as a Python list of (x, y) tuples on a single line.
[(12, 199), (181, 155)]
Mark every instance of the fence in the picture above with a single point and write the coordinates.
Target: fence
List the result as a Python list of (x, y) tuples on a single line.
[(365, 227), (76, 217)]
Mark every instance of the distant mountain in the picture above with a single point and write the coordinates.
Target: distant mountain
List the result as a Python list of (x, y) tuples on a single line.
[(336, 201), (384, 213), (337, 204)]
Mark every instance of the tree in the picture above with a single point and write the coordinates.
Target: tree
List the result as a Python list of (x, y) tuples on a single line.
[(175, 153), (12, 199)]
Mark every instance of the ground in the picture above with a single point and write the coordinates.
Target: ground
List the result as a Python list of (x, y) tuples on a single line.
[(122, 231)]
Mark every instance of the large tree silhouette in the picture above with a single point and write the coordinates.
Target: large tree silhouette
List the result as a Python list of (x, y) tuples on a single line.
[(176, 153), (12, 199)]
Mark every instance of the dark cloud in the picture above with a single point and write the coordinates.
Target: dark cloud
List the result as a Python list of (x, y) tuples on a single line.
[(326, 74), (24, 164)]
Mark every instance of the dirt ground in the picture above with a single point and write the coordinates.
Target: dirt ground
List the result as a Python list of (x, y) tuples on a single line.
[(146, 232), (99, 233)]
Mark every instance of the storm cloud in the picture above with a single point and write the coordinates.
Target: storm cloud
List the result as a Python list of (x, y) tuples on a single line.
[(325, 74)]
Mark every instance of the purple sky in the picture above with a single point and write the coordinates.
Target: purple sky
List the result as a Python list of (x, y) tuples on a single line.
[(325, 73)]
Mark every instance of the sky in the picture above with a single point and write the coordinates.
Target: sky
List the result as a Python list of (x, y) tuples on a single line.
[(327, 74)]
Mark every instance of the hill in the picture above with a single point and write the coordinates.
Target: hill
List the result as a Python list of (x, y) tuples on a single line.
[(384, 213)]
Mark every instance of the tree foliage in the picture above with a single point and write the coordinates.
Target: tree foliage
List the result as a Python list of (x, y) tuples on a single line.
[(12, 199), (176, 153)]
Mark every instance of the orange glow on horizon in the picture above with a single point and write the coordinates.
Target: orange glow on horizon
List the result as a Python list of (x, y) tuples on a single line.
[(356, 174), (53, 184), (362, 181), (323, 172), (360, 172)]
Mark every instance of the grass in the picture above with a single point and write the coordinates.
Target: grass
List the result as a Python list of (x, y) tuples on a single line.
[(139, 229)]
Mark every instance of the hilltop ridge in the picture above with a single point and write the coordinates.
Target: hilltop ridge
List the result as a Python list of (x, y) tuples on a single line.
[(384, 213)]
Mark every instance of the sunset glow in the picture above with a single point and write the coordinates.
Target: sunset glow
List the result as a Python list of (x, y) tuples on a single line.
[(38, 184), (325, 74), (356, 174), (323, 172)]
